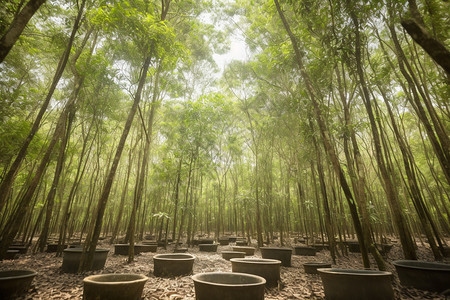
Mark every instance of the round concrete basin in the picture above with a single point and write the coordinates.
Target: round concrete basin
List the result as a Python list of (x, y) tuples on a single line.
[(114, 287), (247, 250), (269, 269), (208, 247), (72, 258), (423, 275), (173, 264), (228, 286), (305, 251), (281, 254), (356, 284), (232, 254), (14, 283)]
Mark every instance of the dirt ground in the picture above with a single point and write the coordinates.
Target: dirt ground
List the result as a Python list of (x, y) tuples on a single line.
[(52, 283)]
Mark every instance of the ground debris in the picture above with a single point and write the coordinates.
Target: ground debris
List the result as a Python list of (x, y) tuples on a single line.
[(51, 283)]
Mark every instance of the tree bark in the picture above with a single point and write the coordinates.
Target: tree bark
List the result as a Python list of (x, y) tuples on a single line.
[(103, 200), (437, 51), (21, 20), (325, 134), (9, 177), (403, 230)]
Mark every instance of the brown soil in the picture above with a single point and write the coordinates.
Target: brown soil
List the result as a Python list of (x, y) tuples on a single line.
[(51, 283)]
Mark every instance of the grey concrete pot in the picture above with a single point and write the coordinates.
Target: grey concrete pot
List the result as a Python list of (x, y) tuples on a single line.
[(249, 251), (269, 269), (208, 247), (173, 264), (281, 254), (14, 283), (340, 284), (305, 250), (232, 254), (72, 258), (423, 275), (228, 286), (113, 287)]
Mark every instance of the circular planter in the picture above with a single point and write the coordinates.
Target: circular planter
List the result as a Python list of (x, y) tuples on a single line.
[(248, 250), (305, 250), (320, 247), (180, 250), (281, 254), (53, 247), (356, 284), (269, 269), (353, 247), (221, 286), (72, 257), (430, 276), (145, 248), (21, 249), (113, 287), (122, 249), (11, 254), (150, 243), (205, 241), (311, 267), (232, 254), (208, 247), (223, 241), (173, 264), (241, 243), (15, 282)]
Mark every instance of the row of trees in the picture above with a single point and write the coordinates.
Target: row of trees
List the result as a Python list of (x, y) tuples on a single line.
[(337, 125)]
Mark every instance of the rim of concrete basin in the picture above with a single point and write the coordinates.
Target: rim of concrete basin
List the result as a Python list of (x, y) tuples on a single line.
[(16, 274), (422, 265), (276, 248), (174, 256), (114, 279), (257, 261), (236, 278), (354, 272)]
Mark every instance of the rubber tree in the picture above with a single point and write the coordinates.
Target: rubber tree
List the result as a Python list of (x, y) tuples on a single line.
[(153, 30), (9, 233), (17, 26)]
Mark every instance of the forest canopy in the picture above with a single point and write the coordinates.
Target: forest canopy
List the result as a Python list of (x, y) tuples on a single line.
[(118, 120)]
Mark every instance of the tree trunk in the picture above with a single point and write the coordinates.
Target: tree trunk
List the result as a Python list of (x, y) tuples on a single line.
[(10, 176), (21, 20), (15, 220), (324, 133), (404, 233), (438, 52), (103, 200)]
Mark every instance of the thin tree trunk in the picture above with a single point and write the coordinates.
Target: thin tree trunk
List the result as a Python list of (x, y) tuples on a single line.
[(21, 20), (112, 172), (404, 233), (8, 180), (437, 51), (324, 133)]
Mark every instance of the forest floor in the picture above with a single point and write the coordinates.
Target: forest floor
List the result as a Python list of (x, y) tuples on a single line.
[(52, 283)]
